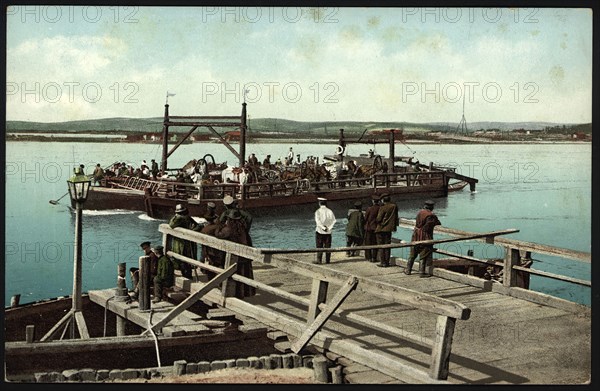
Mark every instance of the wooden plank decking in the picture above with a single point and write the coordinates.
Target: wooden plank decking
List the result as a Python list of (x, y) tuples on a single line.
[(506, 340)]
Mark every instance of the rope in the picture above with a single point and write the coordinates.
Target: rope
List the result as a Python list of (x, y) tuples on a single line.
[(154, 336)]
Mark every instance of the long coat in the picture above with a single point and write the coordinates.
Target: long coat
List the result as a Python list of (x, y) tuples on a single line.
[(387, 218), (424, 225), (236, 231), (181, 246), (356, 224)]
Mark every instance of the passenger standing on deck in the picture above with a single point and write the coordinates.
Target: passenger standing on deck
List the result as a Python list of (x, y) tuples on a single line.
[(325, 220), (153, 168), (135, 271), (253, 160), (98, 174), (424, 225), (165, 275), (355, 228), (235, 231), (290, 157), (184, 247), (267, 162), (370, 226), (387, 222)]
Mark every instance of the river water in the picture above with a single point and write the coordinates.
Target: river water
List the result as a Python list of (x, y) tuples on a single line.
[(544, 190)]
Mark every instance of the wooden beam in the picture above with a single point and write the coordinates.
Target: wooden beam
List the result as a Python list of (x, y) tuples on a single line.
[(224, 142), (211, 117), (522, 245), (383, 362), (54, 330), (207, 124), (336, 301), (318, 295), (553, 276), (440, 355), (469, 258), (81, 325), (191, 299), (181, 141)]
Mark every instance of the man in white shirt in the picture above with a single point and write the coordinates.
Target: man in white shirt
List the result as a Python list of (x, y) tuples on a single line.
[(325, 219)]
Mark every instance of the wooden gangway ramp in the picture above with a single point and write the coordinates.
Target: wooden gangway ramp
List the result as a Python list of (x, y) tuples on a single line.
[(448, 328)]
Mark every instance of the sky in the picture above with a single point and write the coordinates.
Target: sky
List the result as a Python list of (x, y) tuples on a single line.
[(308, 64)]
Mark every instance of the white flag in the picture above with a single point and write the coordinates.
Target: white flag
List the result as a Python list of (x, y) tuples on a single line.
[(170, 94)]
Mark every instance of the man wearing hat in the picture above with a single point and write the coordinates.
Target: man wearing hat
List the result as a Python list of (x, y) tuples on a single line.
[(325, 220), (370, 226), (135, 271), (230, 204), (184, 247), (165, 276), (355, 228), (424, 225), (387, 222)]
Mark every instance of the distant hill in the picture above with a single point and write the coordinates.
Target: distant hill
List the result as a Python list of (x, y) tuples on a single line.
[(275, 126)]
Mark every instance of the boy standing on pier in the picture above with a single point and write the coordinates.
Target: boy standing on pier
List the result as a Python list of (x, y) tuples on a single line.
[(165, 276), (424, 225)]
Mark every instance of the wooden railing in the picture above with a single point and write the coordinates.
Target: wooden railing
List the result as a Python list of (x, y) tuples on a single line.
[(318, 311)]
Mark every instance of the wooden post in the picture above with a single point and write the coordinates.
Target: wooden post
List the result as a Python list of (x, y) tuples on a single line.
[(336, 374), (29, 333), (442, 347), (121, 290), (512, 257), (320, 368), (144, 283), (121, 324), (318, 295), (14, 301), (242, 158), (76, 299), (165, 141), (228, 286)]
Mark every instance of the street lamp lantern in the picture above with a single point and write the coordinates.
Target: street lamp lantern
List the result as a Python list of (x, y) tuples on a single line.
[(79, 185)]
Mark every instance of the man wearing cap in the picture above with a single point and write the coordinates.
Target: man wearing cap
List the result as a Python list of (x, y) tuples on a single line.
[(424, 225), (325, 220), (165, 276), (370, 226), (230, 204), (355, 228), (184, 247), (387, 222), (135, 271)]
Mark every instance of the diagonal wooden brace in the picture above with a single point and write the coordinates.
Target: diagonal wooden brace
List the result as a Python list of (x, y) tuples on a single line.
[(191, 299), (320, 320)]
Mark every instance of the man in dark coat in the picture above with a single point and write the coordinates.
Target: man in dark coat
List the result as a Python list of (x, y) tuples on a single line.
[(424, 225), (211, 255), (387, 222), (184, 247), (370, 226), (231, 204), (235, 231), (355, 228), (165, 275)]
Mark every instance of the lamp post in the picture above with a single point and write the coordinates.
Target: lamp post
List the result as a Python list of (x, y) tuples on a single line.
[(79, 185)]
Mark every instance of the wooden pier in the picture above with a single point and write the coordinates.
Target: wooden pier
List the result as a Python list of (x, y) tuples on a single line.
[(383, 326)]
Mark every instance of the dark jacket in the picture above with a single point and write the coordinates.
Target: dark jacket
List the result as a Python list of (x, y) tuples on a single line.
[(166, 270), (356, 223), (371, 217), (426, 222), (387, 218)]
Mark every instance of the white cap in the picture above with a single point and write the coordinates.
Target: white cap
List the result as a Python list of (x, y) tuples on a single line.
[(228, 200), (321, 199)]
